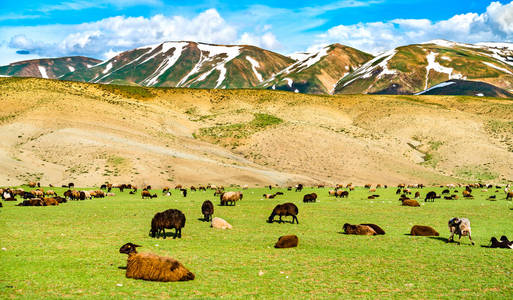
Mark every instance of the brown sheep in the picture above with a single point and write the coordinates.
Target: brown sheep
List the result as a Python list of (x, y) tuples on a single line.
[(32, 202), (310, 197), (332, 192), (50, 201), (287, 241), (467, 194), (420, 230), (230, 197), (286, 209), (37, 193), (32, 184), (358, 229), (267, 196), (376, 228), (509, 196), (409, 202), (50, 193), (341, 194), (145, 193), (152, 267), (171, 218)]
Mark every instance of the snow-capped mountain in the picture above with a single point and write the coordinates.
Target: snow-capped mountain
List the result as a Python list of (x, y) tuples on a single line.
[(334, 69), (415, 68), (48, 67), (188, 64), (318, 72)]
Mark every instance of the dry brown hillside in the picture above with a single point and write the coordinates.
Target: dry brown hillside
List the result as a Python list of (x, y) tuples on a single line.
[(56, 132)]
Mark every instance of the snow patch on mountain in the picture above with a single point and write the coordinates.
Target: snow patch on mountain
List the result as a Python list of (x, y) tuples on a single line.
[(254, 65), (289, 81), (440, 85), (42, 70), (497, 67), (167, 63), (297, 56), (435, 66), (107, 68), (71, 69), (367, 70)]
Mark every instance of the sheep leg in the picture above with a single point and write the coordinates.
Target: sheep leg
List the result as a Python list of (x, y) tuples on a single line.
[(176, 233), (295, 218), (280, 219), (470, 237), (180, 234), (164, 232), (451, 238)]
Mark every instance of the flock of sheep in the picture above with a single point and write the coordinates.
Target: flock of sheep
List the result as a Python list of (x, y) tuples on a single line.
[(152, 267)]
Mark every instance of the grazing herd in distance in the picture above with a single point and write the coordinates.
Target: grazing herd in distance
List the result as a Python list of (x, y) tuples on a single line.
[(157, 268)]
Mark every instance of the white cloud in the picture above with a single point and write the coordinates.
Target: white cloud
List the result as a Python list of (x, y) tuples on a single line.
[(267, 40), (496, 24), (110, 35)]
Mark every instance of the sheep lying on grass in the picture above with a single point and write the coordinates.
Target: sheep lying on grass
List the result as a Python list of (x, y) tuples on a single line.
[(358, 229), (287, 241), (461, 227), (148, 266), (376, 228), (420, 230), (220, 224), (503, 243)]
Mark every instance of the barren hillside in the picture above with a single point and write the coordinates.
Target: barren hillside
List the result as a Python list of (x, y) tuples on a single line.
[(57, 131)]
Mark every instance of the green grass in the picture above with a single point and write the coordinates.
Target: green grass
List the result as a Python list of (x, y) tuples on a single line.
[(229, 134), (71, 250)]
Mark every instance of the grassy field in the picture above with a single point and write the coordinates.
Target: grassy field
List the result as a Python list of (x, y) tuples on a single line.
[(71, 250)]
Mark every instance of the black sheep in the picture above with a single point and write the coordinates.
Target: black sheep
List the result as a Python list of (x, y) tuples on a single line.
[(286, 209), (171, 218), (207, 209)]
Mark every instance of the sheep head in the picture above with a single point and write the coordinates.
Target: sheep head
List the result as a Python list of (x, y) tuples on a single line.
[(129, 248)]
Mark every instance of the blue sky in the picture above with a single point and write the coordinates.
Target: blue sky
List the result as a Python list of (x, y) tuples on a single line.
[(102, 28)]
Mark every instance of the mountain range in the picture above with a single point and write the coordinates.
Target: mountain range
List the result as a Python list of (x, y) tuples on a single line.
[(334, 69)]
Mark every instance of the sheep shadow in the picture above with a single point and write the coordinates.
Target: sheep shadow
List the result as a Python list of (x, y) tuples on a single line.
[(203, 220), (440, 238), (122, 267)]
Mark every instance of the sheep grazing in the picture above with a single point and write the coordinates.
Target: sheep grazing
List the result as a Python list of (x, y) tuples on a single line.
[(207, 209), (287, 241), (358, 229), (310, 197), (147, 194), (230, 197), (184, 192), (165, 190), (409, 202), (50, 193), (220, 224), (299, 187), (152, 267), (72, 194), (341, 194), (461, 227), (332, 192), (169, 219), (286, 209), (431, 196), (269, 196), (420, 230), (376, 228), (509, 196)]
